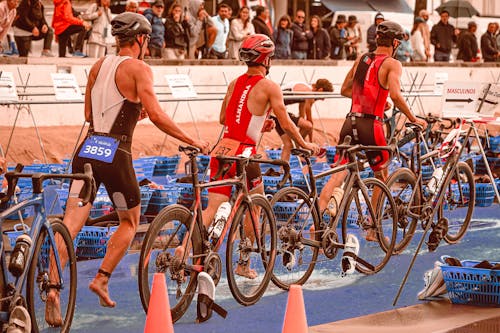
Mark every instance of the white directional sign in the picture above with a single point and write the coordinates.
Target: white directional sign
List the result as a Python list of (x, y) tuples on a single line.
[(65, 87), (460, 99), (8, 92), (491, 103), (440, 79), (181, 86)]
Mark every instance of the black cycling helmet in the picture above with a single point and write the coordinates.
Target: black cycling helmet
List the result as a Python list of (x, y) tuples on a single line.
[(390, 30), (129, 25)]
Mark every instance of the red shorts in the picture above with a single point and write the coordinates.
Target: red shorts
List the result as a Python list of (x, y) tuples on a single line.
[(254, 177)]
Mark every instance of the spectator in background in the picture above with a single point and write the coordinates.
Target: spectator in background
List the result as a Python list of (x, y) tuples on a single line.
[(131, 6), (176, 33), (283, 37), (31, 25), (157, 42), (241, 28), (467, 44), (66, 24), (338, 38), (354, 38), (202, 31), (319, 45), (443, 35), (425, 31), (7, 16), (417, 40), (260, 21), (100, 15), (489, 45), (221, 22), (371, 33), (301, 36), (497, 33), (404, 52)]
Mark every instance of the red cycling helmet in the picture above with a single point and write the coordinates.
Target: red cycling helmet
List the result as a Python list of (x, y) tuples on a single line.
[(257, 49)]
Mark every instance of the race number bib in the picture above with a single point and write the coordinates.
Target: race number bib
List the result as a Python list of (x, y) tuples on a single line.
[(100, 148), (226, 147)]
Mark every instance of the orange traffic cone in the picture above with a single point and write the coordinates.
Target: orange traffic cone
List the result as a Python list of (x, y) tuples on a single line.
[(159, 318), (295, 314)]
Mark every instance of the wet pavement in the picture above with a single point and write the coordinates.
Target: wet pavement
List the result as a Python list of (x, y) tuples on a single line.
[(328, 297)]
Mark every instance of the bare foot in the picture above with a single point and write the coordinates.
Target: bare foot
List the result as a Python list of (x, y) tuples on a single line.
[(53, 309), (245, 271), (100, 287)]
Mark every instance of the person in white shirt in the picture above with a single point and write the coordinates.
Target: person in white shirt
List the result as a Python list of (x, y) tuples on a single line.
[(221, 22), (241, 28), (417, 40)]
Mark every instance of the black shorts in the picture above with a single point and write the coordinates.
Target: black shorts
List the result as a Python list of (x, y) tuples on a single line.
[(118, 177), (370, 133), (278, 128)]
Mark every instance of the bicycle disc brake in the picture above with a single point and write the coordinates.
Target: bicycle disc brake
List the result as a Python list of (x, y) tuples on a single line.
[(213, 266), (329, 243)]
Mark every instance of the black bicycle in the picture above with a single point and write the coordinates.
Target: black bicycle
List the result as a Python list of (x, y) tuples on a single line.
[(304, 231)]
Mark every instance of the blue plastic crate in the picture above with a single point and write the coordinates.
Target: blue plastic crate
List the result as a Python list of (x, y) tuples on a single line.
[(23, 195), (474, 286), (162, 198), (186, 195), (494, 163), (330, 154), (427, 171), (203, 161), (271, 184), (146, 194), (284, 210), (166, 165), (485, 194), (19, 229), (92, 241), (273, 154), (495, 144)]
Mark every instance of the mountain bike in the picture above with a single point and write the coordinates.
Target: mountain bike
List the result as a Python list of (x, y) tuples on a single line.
[(304, 231), (43, 256), (177, 225), (447, 206)]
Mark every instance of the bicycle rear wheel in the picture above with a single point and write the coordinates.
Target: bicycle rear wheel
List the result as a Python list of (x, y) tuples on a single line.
[(254, 249), (38, 282), (374, 250), (165, 233), (458, 203), (295, 216), (403, 184)]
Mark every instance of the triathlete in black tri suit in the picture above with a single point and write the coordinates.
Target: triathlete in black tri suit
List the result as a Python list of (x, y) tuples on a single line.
[(118, 88)]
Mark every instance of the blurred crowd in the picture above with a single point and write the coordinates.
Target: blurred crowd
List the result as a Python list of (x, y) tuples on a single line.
[(191, 33)]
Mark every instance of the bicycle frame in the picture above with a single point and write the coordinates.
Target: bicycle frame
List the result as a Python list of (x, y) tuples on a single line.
[(237, 198), (438, 196), (40, 221)]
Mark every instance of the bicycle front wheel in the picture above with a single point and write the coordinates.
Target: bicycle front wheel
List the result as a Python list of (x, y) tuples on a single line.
[(167, 231), (458, 203), (375, 228), (296, 217), (403, 186), (39, 277), (251, 250)]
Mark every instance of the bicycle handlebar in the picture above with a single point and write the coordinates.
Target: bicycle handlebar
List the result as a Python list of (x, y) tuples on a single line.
[(38, 178)]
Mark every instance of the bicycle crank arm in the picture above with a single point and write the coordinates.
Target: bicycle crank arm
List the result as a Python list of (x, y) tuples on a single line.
[(359, 260), (310, 242)]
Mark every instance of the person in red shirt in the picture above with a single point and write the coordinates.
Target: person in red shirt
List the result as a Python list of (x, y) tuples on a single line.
[(373, 77), (66, 24)]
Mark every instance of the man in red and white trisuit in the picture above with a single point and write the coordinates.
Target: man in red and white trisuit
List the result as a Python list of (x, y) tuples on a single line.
[(243, 113), (373, 77)]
